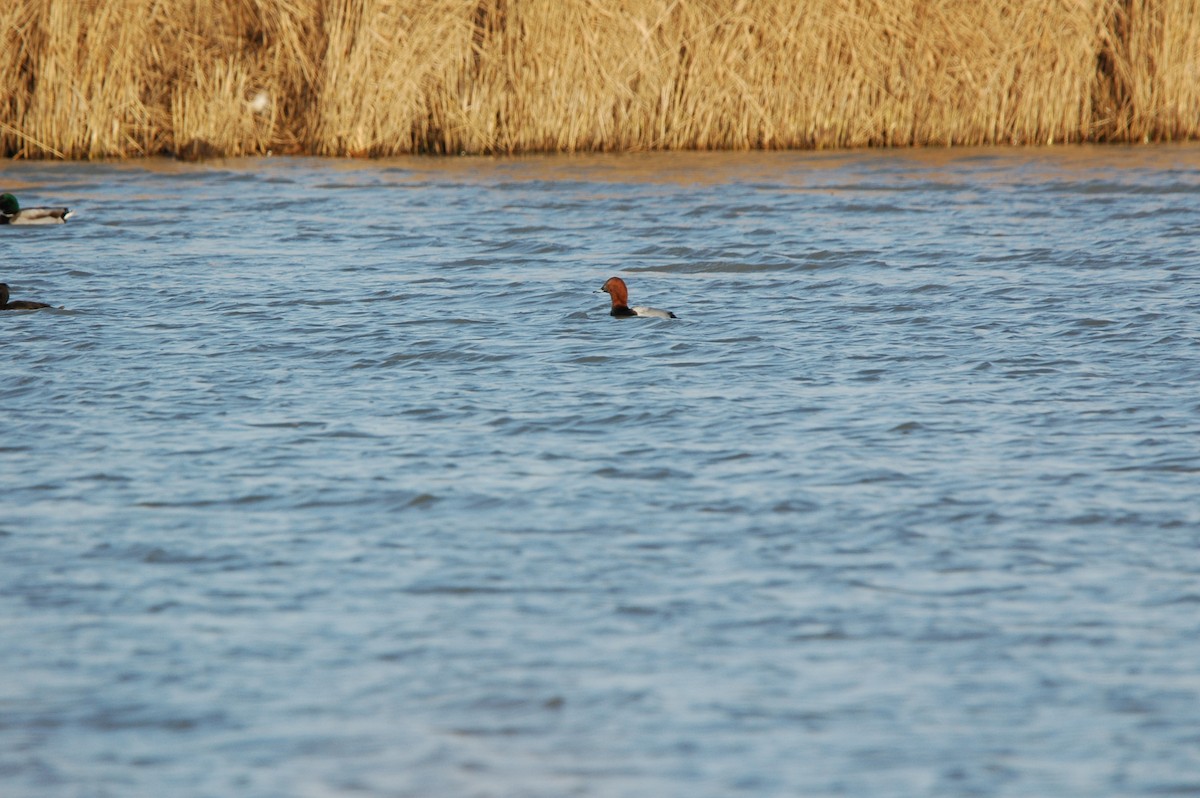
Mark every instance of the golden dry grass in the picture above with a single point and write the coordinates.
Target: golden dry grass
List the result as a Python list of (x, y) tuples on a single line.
[(122, 78), (1152, 60)]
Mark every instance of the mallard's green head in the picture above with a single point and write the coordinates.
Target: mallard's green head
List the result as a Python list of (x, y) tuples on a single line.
[(9, 204)]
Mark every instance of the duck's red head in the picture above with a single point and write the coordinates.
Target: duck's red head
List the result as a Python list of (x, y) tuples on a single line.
[(615, 288)]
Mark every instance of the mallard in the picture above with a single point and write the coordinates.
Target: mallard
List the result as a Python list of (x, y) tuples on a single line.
[(20, 304), (11, 213)]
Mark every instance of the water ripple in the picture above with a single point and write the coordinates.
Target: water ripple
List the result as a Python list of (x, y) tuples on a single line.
[(381, 500)]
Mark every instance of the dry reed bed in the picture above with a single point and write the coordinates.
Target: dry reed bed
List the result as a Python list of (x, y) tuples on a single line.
[(121, 78)]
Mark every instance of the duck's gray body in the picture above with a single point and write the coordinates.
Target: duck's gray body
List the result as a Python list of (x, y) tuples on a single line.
[(11, 212)]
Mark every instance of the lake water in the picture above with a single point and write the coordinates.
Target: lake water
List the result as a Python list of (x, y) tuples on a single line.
[(337, 479)]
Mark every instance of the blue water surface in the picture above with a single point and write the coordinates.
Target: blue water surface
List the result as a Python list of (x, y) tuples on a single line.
[(336, 478)]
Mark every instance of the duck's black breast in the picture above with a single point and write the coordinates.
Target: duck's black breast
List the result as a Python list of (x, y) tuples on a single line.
[(621, 310)]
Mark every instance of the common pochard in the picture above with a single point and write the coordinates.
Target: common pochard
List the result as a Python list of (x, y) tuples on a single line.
[(615, 288)]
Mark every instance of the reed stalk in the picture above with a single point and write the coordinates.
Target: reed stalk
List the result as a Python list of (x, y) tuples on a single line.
[(128, 78)]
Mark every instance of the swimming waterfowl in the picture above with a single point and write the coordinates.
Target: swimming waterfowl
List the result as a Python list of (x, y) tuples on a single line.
[(615, 288), (11, 213), (20, 304)]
